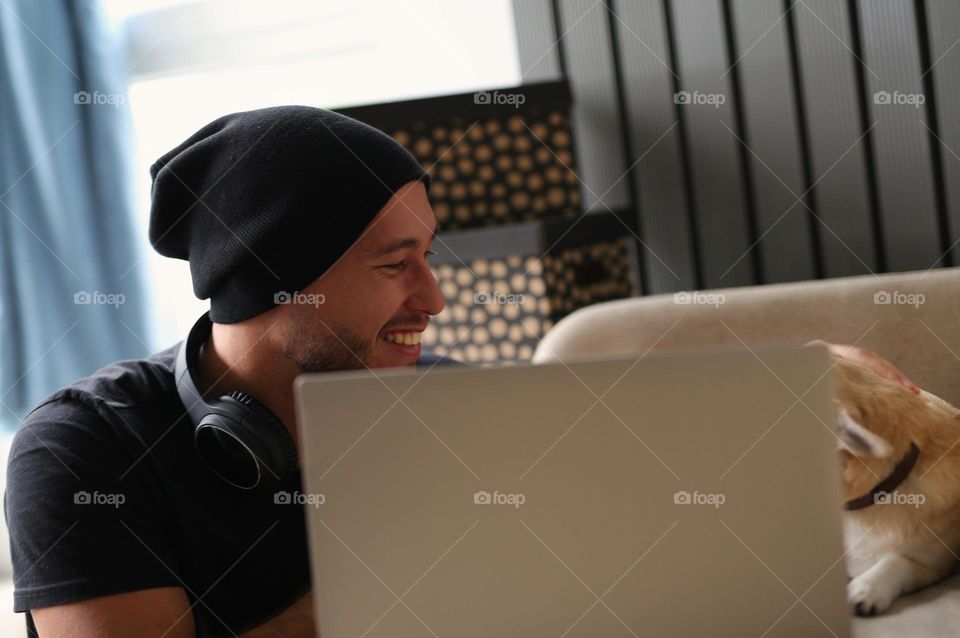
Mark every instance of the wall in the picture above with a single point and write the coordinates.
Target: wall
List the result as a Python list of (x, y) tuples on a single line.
[(761, 141)]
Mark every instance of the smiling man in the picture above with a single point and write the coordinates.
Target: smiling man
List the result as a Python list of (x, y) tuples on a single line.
[(309, 232)]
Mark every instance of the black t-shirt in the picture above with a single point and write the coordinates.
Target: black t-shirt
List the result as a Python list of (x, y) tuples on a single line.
[(106, 494)]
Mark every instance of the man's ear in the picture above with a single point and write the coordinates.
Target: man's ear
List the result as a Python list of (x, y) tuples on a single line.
[(857, 439)]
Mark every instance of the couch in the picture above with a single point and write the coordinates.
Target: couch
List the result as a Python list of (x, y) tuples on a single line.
[(912, 319)]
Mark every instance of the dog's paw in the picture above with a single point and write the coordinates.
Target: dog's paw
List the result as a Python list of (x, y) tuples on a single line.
[(870, 596)]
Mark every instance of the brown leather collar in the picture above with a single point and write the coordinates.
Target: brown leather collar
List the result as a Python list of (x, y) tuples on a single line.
[(887, 485)]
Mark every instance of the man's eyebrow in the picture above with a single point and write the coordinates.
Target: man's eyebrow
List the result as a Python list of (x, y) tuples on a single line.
[(400, 244)]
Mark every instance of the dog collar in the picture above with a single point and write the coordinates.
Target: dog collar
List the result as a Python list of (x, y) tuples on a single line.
[(887, 485)]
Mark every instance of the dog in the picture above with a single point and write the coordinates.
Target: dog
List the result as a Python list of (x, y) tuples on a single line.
[(900, 473)]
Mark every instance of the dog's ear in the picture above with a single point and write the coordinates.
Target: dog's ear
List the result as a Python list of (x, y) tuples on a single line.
[(858, 440)]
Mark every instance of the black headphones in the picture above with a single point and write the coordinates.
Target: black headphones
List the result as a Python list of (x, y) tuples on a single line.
[(238, 438)]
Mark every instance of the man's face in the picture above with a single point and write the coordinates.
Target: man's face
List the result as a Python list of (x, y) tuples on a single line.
[(377, 298)]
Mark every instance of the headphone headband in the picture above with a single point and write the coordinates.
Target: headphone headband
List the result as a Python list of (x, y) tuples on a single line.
[(186, 363)]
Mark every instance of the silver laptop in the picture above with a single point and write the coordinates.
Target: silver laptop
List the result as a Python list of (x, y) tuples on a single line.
[(675, 495)]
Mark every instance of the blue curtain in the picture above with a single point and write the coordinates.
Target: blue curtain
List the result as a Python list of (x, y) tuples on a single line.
[(72, 270)]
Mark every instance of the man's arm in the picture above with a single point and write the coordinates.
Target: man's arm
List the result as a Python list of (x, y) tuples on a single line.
[(152, 613)]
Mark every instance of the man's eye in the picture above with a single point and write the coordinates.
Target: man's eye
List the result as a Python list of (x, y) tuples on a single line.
[(400, 265)]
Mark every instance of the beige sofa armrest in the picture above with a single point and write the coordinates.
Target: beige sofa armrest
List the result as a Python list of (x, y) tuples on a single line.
[(918, 329)]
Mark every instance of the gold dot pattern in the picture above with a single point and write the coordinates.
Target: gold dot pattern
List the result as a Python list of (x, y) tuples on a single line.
[(492, 313), (499, 309), (509, 168)]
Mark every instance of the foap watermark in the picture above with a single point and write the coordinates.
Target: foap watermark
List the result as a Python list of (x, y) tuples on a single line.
[(698, 98), (898, 498), (696, 297), (897, 298), (684, 497), (99, 498), (298, 498), (498, 498), (500, 298), (496, 97), (97, 298), (98, 98), (916, 100), (299, 298)]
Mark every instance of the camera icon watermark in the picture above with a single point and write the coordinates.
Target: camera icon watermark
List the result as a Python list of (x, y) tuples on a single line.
[(697, 98), (498, 498), (296, 498), (899, 498), (897, 298), (696, 297), (98, 498), (97, 298), (683, 497), (96, 98), (484, 297), (496, 97), (299, 298), (884, 98)]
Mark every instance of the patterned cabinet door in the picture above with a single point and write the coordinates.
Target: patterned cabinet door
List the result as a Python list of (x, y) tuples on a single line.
[(497, 157), (505, 289)]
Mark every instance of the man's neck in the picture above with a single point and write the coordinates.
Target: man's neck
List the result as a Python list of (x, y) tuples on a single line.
[(234, 359)]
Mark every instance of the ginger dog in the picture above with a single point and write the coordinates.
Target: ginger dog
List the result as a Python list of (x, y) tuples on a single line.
[(900, 469)]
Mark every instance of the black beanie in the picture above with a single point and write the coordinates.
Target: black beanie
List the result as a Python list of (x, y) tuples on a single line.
[(265, 201)]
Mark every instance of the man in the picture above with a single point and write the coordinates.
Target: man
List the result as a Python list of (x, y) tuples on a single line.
[(118, 526), (309, 232)]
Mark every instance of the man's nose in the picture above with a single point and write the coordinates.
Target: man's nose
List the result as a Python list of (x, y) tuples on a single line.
[(428, 297)]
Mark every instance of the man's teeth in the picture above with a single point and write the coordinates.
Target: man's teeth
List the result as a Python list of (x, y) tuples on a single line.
[(403, 338)]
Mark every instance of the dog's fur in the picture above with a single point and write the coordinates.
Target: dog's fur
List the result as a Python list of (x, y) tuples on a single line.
[(896, 548)]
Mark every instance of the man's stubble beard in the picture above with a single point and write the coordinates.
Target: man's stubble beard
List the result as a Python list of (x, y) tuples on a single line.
[(338, 349)]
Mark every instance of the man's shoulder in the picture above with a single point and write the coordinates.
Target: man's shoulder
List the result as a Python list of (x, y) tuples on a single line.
[(97, 426), (138, 385)]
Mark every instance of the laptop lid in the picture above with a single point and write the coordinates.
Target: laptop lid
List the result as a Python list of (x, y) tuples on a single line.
[(681, 494)]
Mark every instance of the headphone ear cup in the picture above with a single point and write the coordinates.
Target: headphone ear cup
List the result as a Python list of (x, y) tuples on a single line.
[(224, 446), (273, 435), (245, 444)]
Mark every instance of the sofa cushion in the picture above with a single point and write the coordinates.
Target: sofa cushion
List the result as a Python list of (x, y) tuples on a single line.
[(909, 318)]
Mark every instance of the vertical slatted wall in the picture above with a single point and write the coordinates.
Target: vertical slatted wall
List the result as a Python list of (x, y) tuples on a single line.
[(762, 141)]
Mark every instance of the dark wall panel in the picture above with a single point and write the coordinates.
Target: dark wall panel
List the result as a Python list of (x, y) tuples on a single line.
[(904, 167), (838, 157), (596, 126), (771, 133), (943, 69), (657, 158), (537, 44), (720, 202)]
